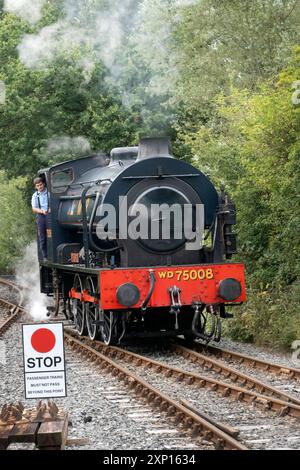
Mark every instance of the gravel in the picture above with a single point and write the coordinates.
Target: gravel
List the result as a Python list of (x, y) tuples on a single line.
[(9, 294), (100, 408), (263, 353), (163, 354), (258, 429)]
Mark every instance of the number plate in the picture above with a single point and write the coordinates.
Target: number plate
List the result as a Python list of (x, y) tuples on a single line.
[(187, 275)]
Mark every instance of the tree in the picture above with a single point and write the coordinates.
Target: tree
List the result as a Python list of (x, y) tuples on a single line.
[(224, 44), (54, 102), (254, 147)]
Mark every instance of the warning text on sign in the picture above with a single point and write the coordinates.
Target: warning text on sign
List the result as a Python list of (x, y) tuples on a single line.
[(43, 385)]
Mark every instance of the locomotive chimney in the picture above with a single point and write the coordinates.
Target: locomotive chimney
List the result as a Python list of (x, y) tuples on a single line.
[(155, 147)]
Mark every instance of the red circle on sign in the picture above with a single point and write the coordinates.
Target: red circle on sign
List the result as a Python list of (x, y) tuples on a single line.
[(43, 340)]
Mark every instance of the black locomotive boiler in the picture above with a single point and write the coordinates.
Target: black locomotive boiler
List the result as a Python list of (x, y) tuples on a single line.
[(114, 286)]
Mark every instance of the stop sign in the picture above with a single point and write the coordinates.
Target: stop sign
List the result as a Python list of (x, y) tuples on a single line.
[(44, 360)]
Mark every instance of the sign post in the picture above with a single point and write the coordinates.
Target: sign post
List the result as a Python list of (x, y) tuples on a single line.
[(44, 360)]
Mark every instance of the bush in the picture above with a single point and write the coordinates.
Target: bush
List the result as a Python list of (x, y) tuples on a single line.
[(16, 222), (253, 146), (269, 317)]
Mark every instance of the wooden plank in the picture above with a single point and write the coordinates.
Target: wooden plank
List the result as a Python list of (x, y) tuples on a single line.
[(24, 421), (24, 432), (34, 419), (53, 433), (4, 434)]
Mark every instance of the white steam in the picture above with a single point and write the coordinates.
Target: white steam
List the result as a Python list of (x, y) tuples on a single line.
[(65, 144), (153, 42), (185, 3), (114, 33), (153, 39), (99, 32), (28, 276), (28, 10)]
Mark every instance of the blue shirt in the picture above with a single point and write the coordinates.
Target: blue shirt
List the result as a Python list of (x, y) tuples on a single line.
[(42, 198)]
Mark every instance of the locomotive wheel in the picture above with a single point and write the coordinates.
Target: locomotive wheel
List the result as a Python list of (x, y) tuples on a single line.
[(91, 312), (108, 328), (78, 309)]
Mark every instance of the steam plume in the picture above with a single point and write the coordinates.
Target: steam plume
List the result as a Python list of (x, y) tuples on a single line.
[(65, 144), (98, 32), (28, 10), (28, 276)]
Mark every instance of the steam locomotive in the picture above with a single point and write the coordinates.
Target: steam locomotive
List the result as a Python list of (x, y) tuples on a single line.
[(114, 286)]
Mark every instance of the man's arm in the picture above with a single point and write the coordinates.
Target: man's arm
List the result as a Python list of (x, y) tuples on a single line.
[(35, 206), (39, 211)]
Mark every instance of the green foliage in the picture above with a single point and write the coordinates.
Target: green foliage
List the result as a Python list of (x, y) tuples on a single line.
[(253, 145), (270, 317), (16, 221), (237, 43), (57, 101)]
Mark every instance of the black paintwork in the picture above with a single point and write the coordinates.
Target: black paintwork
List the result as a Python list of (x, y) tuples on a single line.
[(129, 171)]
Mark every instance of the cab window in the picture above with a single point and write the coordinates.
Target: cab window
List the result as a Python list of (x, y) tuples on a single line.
[(60, 180)]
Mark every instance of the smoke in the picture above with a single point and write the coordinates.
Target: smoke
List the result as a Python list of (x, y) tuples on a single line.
[(124, 36), (87, 65), (154, 41), (28, 276), (28, 10), (185, 3), (101, 31), (65, 144), (98, 32)]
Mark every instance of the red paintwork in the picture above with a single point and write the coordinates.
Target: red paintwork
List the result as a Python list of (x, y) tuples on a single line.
[(75, 295), (204, 291), (83, 296)]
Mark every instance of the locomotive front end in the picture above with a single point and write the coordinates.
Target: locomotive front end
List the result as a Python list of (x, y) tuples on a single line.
[(141, 245)]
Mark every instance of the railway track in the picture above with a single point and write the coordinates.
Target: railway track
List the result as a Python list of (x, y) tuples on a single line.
[(248, 361), (238, 415), (12, 310), (198, 427), (179, 414), (199, 353), (290, 406), (236, 385), (233, 374)]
